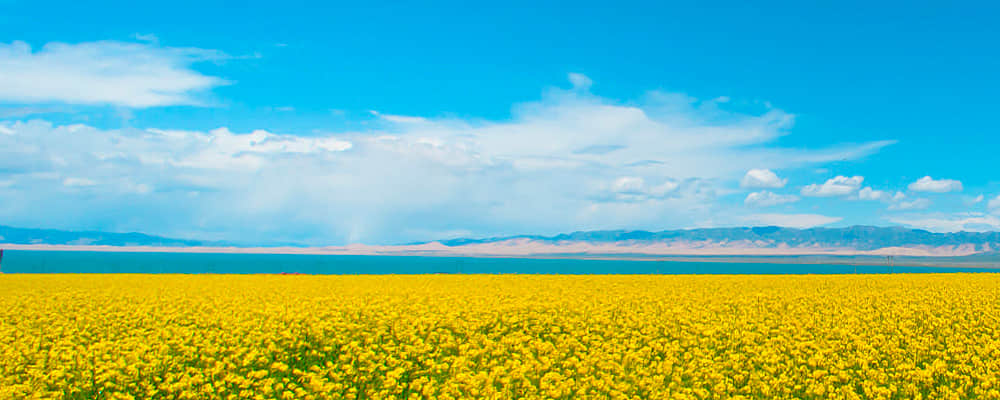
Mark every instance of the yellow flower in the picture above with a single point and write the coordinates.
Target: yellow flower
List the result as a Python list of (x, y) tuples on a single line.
[(499, 337)]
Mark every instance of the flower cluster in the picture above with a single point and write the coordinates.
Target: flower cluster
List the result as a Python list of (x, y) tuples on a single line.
[(499, 337)]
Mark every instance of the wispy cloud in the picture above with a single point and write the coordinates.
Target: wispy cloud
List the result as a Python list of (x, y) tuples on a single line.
[(147, 37), (580, 81), (768, 199), (994, 204), (23, 111), (969, 222), (791, 220), (78, 182), (399, 119), (972, 200), (915, 204), (127, 74)]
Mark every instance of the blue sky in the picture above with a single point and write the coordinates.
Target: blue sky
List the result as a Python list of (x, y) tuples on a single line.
[(329, 123)]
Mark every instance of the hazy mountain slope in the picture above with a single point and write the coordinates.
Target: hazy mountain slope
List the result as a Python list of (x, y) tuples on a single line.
[(52, 236)]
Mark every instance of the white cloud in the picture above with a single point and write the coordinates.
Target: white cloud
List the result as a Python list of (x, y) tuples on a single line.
[(767, 199), (915, 204), (837, 186), (994, 203), (399, 119), (139, 188), (71, 182), (106, 72), (868, 193), (791, 220), (896, 201), (969, 222), (23, 111), (147, 37), (580, 81), (223, 149), (628, 184), (570, 161), (969, 200), (631, 188), (928, 184), (762, 179)]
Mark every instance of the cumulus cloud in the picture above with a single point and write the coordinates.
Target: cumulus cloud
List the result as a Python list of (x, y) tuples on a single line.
[(928, 184), (768, 199), (800, 221), (126, 74), (836, 186), (968, 222), (868, 193), (762, 179), (896, 201), (569, 161)]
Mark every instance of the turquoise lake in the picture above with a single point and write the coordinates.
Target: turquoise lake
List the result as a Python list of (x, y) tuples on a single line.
[(23, 261)]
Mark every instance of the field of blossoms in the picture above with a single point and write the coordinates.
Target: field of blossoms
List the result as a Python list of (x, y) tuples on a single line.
[(500, 337)]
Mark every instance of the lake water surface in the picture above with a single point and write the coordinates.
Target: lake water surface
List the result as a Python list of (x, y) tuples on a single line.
[(23, 261)]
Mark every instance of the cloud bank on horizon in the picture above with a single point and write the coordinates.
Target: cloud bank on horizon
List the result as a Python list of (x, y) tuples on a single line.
[(569, 160)]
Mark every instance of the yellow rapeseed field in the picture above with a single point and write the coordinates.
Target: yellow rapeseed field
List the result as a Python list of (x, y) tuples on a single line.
[(499, 337)]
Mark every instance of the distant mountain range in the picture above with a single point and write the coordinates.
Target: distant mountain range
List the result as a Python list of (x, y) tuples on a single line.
[(855, 240), (855, 237), (11, 235)]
